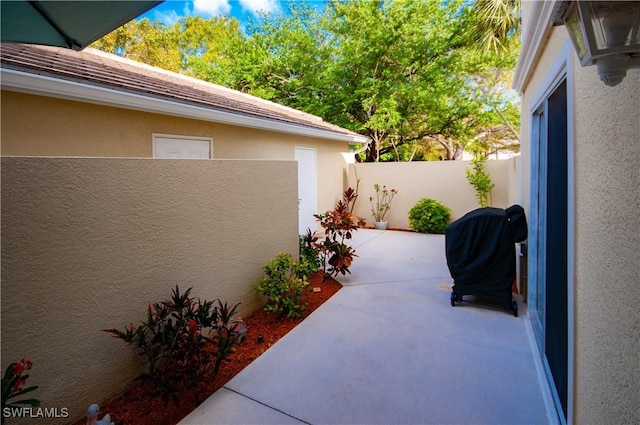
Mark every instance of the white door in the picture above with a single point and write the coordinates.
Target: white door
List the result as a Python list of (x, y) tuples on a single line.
[(177, 147), (307, 189)]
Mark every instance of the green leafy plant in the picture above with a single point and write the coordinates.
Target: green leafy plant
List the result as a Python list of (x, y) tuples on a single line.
[(480, 180), (172, 341), (310, 260), (13, 385), (285, 286), (338, 227), (353, 201), (429, 216), (384, 197)]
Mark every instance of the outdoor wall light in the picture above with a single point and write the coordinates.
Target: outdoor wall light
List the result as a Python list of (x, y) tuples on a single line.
[(604, 33)]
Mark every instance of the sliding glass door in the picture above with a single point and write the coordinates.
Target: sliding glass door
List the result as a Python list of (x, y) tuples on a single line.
[(549, 234)]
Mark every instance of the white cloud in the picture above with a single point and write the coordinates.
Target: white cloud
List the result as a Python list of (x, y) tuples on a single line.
[(211, 7), (168, 17), (255, 6), (188, 9)]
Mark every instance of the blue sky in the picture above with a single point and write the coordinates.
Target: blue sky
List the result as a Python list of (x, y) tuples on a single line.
[(172, 10)]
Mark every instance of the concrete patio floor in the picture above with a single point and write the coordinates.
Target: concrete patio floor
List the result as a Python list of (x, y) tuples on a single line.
[(388, 348)]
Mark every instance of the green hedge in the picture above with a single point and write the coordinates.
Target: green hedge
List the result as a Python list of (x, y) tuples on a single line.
[(429, 216)]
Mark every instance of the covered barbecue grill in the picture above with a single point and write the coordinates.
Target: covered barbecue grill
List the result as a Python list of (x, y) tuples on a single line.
[(480, 249)]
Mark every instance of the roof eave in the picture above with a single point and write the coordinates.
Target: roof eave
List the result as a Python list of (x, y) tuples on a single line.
[(31, 83), (537, 30)]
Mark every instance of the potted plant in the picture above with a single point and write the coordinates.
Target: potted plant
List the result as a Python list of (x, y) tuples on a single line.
[(384, 197)]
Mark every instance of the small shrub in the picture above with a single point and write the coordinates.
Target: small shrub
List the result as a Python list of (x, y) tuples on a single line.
[(284, 286), (480, 180), (173, 344), (309, 254), (338, 226), (429, 216)]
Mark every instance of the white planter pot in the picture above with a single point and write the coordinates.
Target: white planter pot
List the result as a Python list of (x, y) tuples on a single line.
[(380, 225)]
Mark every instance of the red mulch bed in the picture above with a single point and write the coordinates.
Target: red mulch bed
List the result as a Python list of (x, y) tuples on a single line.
[(137, 405)]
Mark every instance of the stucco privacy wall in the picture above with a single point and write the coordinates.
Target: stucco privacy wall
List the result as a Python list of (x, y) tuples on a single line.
[(87, 243), (606, 149), (444, 181), (43, 126)]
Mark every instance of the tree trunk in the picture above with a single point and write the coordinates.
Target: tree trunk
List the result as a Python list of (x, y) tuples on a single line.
[(373, 151), (452, 148)]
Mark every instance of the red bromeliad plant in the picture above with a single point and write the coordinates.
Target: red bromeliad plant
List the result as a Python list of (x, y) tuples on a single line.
[(338, 226), (173, 344), (13, 385)]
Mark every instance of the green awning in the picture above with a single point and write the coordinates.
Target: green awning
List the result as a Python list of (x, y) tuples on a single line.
[(72, 24)]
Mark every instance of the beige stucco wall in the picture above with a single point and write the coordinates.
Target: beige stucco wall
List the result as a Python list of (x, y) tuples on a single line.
[(444, 181), (87, 243), (607, 248), (42, 126), (606, 270)]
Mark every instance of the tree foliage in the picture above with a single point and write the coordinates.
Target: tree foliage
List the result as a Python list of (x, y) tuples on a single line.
[(424, 79), (497, 21), (202, 48)]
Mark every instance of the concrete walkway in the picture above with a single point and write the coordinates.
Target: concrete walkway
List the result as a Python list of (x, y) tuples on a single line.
[(388, 348)]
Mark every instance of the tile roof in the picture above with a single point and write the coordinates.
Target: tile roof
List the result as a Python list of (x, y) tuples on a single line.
[(97, 68)]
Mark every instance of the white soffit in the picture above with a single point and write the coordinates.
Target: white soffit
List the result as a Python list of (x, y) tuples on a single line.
[(26, 82), (536, 31)]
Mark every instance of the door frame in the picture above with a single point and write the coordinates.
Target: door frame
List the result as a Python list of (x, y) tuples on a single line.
[(561, 69), (315, 158)]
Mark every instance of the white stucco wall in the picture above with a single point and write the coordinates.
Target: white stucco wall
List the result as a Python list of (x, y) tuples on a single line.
[(604, 178), (87, 243), (607, 248), (444, 181)]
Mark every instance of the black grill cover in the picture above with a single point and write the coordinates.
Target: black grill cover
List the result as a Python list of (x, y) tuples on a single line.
[(517, 222), (480, 250)]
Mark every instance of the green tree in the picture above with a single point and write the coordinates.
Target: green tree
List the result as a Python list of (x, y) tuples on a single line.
[(404, 73), (207, 47), (400, 76), (202, 48), (480, 180), (395, 71), (410, 74), (144, 41), (497, 25), (285, 58), (496, 31)]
